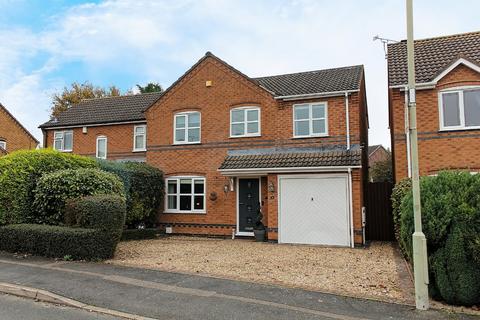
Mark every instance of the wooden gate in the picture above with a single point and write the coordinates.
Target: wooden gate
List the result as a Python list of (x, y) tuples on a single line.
[(379, 218)]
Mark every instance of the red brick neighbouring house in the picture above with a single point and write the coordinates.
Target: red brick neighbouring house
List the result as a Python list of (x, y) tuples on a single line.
[(448, 104), (292, 146), (13, 136)]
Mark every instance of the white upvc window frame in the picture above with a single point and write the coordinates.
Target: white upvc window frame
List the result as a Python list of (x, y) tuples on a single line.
[(186, 114), (62, 140), (135, 135), (461, 106), (192, 194), (3, 144), (311, 119), (106, 147), (245, 122)]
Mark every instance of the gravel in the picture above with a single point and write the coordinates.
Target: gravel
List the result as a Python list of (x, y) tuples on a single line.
[(376, 272)]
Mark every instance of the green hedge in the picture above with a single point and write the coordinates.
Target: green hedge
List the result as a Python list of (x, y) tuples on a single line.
[(399, 192), (53, 189), (140, 234), (451, 223), (19, 172), (144, 189)]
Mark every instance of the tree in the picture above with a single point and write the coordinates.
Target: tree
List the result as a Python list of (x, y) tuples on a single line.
[(76, 93), (381, 171), (150, 87)]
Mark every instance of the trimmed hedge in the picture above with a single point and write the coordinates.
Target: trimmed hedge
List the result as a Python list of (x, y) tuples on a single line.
[(451, 223), (55, 188), (140, 234), (399, 192), (19, 172), (100, 220), (144, 189)]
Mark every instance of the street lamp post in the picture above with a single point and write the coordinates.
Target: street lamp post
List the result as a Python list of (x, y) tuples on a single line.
[(420, 264)]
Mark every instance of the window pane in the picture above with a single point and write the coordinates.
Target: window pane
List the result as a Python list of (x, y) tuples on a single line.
[(172, 202), (180, 135), (198, 203), (318, 126), (252, 115), (302, 128), (58, 135), (67, 144), (194, 135), (101, 148), (58, 144), (252, 127), (318, 111), (140, 142), (238, 129), (185, 202), (198, 186), (471, 100), (172, 187), (301, 112), (194, 119), (185, 185), (3, 145), (451, 111), (140, 130), (180, 122), (238, 115)]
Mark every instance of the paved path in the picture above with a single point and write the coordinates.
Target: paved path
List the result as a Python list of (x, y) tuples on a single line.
[(15, 308), (166, 295)]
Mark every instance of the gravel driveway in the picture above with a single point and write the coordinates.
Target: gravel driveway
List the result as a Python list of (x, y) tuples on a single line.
[(376, 272)]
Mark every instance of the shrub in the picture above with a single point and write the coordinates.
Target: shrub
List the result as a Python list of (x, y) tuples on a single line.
[(140, 234), (53, 189), (451, 223), (399, 192), (19, 172), (143, 188)]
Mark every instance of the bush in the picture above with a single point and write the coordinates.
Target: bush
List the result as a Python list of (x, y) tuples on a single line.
[(451, 223), (53, 189), (140, 234), (399, 192), (144, 188), (19, 172)]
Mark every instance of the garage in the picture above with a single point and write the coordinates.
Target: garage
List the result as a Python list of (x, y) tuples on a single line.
[(314, 209)]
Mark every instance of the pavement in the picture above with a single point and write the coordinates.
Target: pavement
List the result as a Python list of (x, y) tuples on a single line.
[(166, 295)]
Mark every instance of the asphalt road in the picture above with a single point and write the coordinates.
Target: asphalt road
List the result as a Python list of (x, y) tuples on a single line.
[(167, 295), (16, 308)]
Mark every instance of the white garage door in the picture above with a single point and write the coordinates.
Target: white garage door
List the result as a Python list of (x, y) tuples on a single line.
[(314, 210)]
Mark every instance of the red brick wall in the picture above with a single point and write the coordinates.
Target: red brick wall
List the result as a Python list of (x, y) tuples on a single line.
[(15, 136), (229, 90), (437, 150), (119, 141), (379, 154)]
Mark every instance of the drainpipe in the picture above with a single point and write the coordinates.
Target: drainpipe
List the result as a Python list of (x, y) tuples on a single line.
[(352, 237), (407, 132), (347, 119)]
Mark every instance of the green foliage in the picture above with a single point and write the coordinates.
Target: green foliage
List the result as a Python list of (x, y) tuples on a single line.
[(381, 171), (144, 189), (399, 192), (53, 189), (451, 223), (140, 234), (19, 172), (150, 87)]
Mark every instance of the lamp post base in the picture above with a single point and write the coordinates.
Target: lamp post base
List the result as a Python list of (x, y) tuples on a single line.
[(420, 270)]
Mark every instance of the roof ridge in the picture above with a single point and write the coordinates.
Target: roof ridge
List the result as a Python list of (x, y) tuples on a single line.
[(310, 71), (455, 35), (122, 96)]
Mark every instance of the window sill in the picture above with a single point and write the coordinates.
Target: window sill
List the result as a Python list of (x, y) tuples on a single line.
[(184, 212), (65, 151), (245, 136), (185, 143), (308, 137), (459, 129), (139, 150)]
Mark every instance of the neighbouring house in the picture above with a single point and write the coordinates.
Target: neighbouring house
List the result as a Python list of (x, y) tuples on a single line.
[(13, 135), (448, 104), (377, 153), (111, 128), (293, 146)]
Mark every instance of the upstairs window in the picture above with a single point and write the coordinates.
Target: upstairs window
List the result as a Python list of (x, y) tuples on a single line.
[(460, 109), (310, 120), (101, 147), (63, 140), (185, 195), (187, 127), (245, 122), (3, 144), (139, 138)]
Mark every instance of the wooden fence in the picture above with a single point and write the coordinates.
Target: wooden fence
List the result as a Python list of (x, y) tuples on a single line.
[(379, 219)]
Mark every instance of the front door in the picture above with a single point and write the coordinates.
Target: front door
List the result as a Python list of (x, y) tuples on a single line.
[(248, 204)]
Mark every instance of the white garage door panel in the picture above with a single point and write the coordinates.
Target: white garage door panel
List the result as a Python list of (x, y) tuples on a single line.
[(314, 211)]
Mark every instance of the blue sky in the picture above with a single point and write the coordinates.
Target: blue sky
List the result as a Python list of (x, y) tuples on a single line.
[(46, 45)]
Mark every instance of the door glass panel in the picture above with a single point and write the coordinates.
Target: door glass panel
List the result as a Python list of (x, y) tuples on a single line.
[(471, 100)]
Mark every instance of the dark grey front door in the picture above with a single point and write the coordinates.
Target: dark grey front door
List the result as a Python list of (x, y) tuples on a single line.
[(248, 203)]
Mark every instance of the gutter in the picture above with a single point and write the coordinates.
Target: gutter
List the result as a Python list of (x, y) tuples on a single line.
[(315, 95), (419, 86), (92, 125)]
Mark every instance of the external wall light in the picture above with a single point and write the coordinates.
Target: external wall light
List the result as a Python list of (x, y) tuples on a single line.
[(271, 187)]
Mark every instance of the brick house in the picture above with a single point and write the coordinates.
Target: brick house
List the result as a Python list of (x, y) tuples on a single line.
[(292, 146), (13, 135), (377, 153), (448, 104)]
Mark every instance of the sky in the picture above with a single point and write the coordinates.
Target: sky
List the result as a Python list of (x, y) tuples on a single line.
[(47, 45)]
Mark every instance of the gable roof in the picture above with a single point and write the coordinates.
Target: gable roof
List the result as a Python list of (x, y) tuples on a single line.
[(105, 110), (4, 109), (432, 56)]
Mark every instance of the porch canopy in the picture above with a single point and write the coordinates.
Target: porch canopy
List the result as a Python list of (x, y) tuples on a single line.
[(278, 160)]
